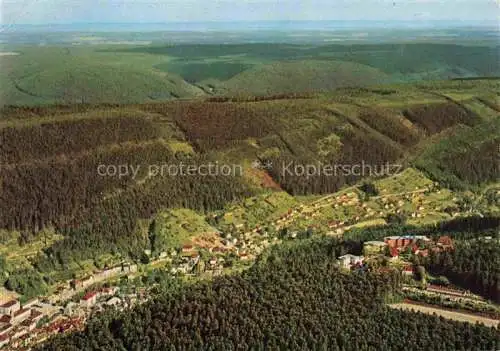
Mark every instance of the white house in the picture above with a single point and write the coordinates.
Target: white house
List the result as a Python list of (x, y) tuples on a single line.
[(347, 261), (113, 301)]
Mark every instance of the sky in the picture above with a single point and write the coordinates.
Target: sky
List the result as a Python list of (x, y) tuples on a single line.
[(155, 11)]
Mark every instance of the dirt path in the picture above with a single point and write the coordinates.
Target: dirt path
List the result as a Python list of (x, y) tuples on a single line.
[(457, 316)]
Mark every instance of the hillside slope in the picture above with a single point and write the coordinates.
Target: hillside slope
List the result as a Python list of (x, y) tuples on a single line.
[(302, 76), (50, 155), (59, 76)]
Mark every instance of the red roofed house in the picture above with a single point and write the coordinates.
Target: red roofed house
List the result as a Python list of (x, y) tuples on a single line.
[(408, 270), (89, 299), (423, 253), (29, 324), (36, 315), (5, 319)]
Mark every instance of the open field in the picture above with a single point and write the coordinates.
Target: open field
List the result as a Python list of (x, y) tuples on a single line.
[(461, 317), (177, 227)]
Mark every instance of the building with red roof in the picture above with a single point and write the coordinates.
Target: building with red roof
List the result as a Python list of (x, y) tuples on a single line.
[(408, 270), (89, 299)]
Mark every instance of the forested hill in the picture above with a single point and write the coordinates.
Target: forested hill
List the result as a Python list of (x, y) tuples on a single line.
[(49, 155), (293, 298)]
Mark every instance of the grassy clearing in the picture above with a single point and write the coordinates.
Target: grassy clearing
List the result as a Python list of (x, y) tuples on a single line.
[(256, 210), (177, 227), (18, 254), (409, 179), (179, 146)]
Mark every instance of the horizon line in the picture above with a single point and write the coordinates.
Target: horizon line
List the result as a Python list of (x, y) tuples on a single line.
[(458, 21)]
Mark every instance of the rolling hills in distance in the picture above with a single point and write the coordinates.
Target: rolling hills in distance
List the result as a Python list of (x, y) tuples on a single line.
[(133, 74)]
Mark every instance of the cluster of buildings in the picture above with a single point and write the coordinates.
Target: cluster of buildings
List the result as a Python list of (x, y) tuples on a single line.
[(394, 246), (103, 275), (21, 325), (190, 260), (420, 245), (74, 286), (17, 321)]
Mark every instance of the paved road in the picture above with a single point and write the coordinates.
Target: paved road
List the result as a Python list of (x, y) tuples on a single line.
[(457, 316)]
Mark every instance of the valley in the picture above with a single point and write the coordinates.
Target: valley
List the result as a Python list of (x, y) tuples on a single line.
[(332, 188)]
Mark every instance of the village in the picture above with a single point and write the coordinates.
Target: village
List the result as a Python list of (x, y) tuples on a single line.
[(24, 325), (209, 254)]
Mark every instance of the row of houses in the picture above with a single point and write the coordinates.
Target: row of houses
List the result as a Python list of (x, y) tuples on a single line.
[(90, 298), (103, 275), (17, 320), (419, 245)]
